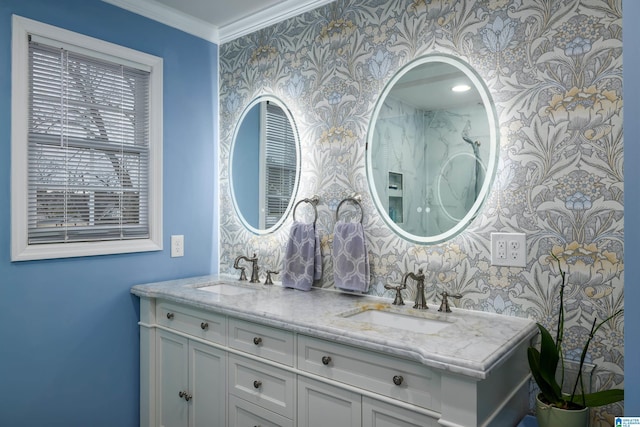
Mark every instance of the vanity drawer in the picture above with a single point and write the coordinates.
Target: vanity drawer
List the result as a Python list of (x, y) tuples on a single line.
[(381, 414), (261, 384), (259, 340), (199, 323), (375, 372), (245, 414)]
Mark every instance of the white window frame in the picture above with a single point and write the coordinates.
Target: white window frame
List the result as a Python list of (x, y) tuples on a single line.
[(21, 250), (264, 163)]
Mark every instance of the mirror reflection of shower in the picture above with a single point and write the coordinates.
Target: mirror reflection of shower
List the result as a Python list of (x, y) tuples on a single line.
[(431, 148), (477, 167), (433, 178)]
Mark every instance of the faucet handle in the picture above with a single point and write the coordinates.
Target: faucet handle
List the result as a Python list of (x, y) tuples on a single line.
[(444, 305), (243, 273), (398, 299), (268, 280)]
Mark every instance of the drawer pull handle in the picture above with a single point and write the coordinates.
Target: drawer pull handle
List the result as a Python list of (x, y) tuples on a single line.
[(397, 379), (257, 384), (170, 317), (257, 340), (204, 326), (185, 395), (326, 360)]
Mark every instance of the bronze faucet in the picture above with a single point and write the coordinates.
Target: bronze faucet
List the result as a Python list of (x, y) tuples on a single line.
[(269, 280), (254, 268), (444, 305), (421, 300), (398, 299)]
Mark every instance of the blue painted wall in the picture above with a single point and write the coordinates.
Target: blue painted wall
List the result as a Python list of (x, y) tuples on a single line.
[(631, 67), (69, 350), (246, 167)]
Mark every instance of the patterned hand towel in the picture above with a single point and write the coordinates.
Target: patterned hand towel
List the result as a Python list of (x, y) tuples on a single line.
[(350, 257), (302, 258)]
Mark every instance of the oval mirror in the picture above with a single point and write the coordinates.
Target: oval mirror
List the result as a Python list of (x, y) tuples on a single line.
[(432, 149), (264, 164)]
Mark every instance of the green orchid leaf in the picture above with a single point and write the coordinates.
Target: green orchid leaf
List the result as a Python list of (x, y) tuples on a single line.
[(604, 397), (549, 359), (549, 388)]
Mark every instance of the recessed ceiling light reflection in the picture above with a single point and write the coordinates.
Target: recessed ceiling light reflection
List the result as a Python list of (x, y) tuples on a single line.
[(461, 88)]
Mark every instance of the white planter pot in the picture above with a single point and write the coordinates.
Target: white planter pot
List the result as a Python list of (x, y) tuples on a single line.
[(550, 416)]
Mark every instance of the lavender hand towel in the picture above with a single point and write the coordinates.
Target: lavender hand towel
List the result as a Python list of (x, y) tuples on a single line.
[(302, 258), (350, 257)]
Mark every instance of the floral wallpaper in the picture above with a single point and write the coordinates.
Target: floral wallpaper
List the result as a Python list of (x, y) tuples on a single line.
[(554, 71)]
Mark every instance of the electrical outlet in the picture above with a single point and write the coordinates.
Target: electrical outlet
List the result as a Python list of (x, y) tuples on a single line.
[(509, 249), (501, 249), (177, 246)]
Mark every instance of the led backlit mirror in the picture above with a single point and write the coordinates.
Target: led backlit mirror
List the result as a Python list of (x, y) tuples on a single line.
[(432, 147), (264, 164)]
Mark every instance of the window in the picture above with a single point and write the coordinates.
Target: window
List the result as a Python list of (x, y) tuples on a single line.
[(279, 168), (86, 145)]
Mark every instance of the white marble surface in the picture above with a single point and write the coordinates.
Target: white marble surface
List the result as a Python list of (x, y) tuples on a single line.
[(473, 344)]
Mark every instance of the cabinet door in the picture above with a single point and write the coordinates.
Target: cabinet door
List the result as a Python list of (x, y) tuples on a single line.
[(323, 405), (173, 378), (380, 414), (207, 381)]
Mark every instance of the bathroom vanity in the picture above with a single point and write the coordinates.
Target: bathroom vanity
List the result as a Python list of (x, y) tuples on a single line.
[(219, 352)]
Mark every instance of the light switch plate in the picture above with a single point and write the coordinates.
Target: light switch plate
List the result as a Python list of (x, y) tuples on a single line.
[(509, 249)]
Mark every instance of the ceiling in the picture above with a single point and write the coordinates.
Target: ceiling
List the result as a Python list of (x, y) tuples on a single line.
[(218, 21)]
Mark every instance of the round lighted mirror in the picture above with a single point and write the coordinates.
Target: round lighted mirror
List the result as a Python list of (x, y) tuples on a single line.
[(432, 149), (264, 164)]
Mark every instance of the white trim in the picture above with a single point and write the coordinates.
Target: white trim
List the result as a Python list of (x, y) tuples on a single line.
[(285, 10), (218, 34), (20, 249)]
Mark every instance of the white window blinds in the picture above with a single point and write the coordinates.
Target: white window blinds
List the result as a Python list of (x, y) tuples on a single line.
[(88, 147), (280, 158)]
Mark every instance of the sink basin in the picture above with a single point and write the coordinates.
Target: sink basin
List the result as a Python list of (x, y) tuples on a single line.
[(226, 289), (418, 324)]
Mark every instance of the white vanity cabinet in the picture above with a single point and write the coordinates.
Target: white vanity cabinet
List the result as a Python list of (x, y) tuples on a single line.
[(245, 414), (323, 405), (191, 386), (190, 373), (207, 365), (372, 374)]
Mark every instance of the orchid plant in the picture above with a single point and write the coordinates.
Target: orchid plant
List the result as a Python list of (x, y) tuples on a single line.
[(544, 365)]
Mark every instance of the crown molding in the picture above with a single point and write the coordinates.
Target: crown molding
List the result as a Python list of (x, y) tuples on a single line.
[(278, 13), (189, 24), (169, 16)]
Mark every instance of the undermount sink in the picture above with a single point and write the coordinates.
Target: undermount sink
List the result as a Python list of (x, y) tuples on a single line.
[(417, 323), (226, 289)]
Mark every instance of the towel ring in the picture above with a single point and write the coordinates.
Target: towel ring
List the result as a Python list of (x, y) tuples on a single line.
[(353, 200), (313, 201)]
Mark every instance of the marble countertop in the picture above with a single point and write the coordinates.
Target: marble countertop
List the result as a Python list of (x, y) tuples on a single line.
[(473, 343)]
